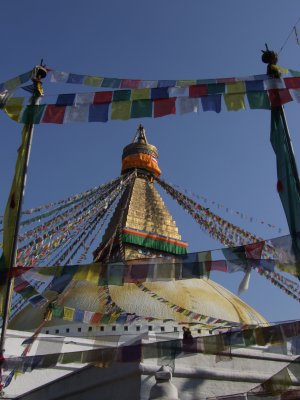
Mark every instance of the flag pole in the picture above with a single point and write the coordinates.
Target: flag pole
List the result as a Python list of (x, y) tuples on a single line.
[(288, 184), (10, 239)]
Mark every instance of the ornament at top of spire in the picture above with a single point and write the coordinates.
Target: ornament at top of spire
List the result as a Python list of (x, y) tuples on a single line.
[(140, 155)]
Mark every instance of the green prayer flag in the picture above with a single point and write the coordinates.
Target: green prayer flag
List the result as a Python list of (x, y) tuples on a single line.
[(288, 179), (105, 319), (258, 100), (121, 110), (121, 95), (288, 184), (141, 109), (57, 311), (215, 88), (33, 114)]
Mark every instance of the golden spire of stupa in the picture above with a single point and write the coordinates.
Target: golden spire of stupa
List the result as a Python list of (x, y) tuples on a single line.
[(141, 219)]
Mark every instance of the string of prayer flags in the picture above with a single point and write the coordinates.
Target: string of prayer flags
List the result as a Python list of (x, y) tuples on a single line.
[(115, 83), (213, 203), (15, 82), (138, 103)]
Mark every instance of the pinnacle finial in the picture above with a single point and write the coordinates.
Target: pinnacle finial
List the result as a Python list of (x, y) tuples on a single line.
[(140, 135)]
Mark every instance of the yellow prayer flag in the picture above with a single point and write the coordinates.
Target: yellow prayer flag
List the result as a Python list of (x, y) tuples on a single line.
[(140, 94), (236, 87), (184, 83), (13, 108), (93, 80), (88, 272), (234, 102), (68, 313), (121, 110), (12, 83)]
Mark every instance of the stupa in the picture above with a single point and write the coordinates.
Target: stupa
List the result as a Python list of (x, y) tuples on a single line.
[(142, 228)]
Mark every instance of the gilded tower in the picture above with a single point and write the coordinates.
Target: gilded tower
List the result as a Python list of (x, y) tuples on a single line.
[(141, 225)]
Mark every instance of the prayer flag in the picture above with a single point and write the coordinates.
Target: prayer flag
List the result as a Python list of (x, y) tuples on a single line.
[(279, 97), (89, 272), (292, 83), (159, 93), (295, 94), (164, 107), (78, 113), (141, 109), (148, 84), (65, 99), (54, 114), (186, 82), (178, 91), (273, 83), (164, 83), (59, 76), (57, 311), (96, 318), (88, 315), (198, 90), (140, 94), (33, 114), (211, 103), (215, 88), (13, 83), (286, 170), (187, 105), (75, 79), (121, 95), (258, 100), (130, 83), (98, 112), (115, 274), (92, 80), (13, 107), (103, 97), (234, 102), (111, 82), (235, 87), (68, 314), (254, 86), (79, 315), (121, 110), (84, 98)]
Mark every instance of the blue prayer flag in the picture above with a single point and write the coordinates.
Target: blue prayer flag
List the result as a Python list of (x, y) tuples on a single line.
[(76, 79), (211, 103), (65, 99), (98, 112), (159, 93)]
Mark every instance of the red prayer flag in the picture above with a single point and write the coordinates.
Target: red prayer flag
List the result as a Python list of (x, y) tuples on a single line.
[(164, 107), (130, 83), (278, 97), (254, 250), (292, 83), (103, 97), (219, 265), (96, 318), (198, 90), (54, 114)]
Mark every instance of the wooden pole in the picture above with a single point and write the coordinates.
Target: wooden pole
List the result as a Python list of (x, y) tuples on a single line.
[(37, 73)]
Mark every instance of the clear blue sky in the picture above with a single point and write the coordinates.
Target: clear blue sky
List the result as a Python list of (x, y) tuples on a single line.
[(226, 157)]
